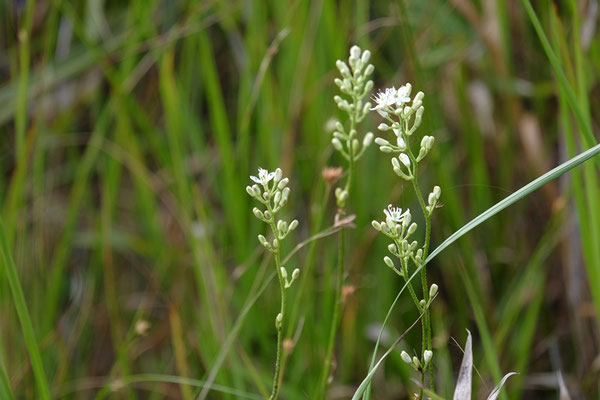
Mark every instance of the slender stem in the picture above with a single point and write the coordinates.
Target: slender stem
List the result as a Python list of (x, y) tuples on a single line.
[(276, 379), (337, 307), (335, 319), (278, 325), (413, 294), (426, 345)]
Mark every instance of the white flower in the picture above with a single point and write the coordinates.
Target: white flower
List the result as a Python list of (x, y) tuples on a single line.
[(391, 97), (264, 176), (395, 214), (403, 95)]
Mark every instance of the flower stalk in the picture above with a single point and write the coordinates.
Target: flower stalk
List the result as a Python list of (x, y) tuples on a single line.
[(355, 84), (273, 194), (403, 116)]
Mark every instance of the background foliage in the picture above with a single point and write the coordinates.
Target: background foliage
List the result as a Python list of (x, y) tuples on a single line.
[(129, 130)]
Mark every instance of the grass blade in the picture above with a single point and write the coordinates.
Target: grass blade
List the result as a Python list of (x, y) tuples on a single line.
[(21, 306), (490, 212)]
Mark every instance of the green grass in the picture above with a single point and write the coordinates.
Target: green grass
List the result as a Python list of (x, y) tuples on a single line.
[(129, 132)]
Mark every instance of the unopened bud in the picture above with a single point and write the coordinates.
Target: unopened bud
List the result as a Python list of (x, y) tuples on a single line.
[(295, 274), (283, 183), (433, 290), (388, 261), (427, 356), (376, 225), (381, 142), (368, 139), (336, 144), (412, 228), (405, 357), (283, 273)]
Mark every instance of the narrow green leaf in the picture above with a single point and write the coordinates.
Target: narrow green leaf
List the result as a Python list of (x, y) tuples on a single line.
[(12, 276), (490, 212)]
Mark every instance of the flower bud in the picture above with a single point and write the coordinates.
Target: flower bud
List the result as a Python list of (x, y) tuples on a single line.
[(427, 356), (355, 51), (275, 243), (416, 362), (365, 56), (283, 273), (376, 225), (437, 191), (383, 127), (278, 174), (412, 228), (388, 261), (343, 68), (392, 248), (368, 71), (433, 290), (277, 198), (401, 143), (278, 321), (293, 225), (381, 141), (258, 213), (280, 227), (263, 241), (422, 303), (404, 159), (367, 106), (395, 163), (405, 357), (295, 274), (368, 139), (386, 149), (283, 183), (355, 146), (250, 191), (336, 144)]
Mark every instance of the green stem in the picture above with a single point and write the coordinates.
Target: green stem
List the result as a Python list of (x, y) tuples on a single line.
[(426, 325), (336, 317), (337, 307), (279, 325), (413, 294), (276, 383)]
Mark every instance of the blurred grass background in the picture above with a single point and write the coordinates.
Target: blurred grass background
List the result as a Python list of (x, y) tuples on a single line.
[(129, 130)]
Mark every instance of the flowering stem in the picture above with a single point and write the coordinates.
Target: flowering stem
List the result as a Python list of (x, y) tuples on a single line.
[(278, 324), (426, 345), (404, 264), (337, 307)]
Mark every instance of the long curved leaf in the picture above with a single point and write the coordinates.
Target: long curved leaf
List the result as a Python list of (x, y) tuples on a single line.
[(490, 212)]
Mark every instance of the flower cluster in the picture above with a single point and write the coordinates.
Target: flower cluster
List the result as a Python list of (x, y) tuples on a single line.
[(270, 189), (404, 116), (414, 361), (398, 227), (355, 85)]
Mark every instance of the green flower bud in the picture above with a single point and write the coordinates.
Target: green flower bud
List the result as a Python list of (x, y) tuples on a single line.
[(433, 290), (388, 261)]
